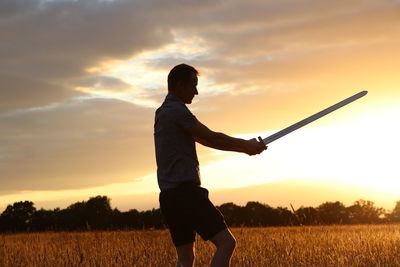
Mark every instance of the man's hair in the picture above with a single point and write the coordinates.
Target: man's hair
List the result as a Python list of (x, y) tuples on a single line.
[(181, 72)]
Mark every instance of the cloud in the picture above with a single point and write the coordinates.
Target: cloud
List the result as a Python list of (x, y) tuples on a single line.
[(19, 92), (252, 55), (57, 41), (76, 145), (270, 44), (104, 83), (10, 8), (53, 136)]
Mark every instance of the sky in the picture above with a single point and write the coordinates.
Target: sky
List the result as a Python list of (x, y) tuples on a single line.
[(81, 80)]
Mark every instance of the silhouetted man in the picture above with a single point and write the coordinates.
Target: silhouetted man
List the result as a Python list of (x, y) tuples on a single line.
[(183, 202)]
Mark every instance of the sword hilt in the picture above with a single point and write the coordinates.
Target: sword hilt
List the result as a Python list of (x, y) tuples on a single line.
[(261, 140)]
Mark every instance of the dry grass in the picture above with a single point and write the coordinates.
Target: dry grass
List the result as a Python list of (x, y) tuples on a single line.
[(377, 245)]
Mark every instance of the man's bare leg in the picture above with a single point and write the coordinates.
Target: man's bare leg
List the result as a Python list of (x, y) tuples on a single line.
[(225, 243), (185, 255)]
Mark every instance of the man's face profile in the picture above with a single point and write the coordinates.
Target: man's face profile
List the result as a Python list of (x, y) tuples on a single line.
[(187, 90)]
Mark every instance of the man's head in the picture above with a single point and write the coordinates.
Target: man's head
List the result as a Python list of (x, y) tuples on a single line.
[(182, 82)]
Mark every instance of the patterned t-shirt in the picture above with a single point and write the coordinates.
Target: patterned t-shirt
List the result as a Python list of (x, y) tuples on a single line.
[(175, 148)]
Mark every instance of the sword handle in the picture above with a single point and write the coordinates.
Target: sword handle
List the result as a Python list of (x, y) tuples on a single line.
[(261, 140)]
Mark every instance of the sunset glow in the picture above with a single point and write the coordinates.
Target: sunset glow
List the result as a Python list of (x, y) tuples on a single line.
[(77, 108)]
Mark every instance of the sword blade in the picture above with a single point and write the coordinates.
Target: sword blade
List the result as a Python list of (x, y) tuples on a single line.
[(312, 118)]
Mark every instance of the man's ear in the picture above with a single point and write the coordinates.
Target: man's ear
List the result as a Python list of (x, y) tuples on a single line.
[(179, 86)]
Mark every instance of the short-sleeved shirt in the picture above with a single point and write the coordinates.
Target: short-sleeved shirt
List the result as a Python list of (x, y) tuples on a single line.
[(176, 155)]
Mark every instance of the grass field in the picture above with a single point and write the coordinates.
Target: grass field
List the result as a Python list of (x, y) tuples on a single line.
[(374, 245)]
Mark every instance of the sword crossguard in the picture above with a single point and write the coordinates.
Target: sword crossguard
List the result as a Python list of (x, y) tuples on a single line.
[(261, 140)]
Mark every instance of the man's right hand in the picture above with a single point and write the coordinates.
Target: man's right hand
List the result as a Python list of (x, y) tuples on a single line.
[(254, 147)]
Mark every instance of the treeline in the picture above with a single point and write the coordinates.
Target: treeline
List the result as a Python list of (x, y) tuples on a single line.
[(257, 214), (97, 214)]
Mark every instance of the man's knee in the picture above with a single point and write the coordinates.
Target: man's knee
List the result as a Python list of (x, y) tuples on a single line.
[(230, 243), (224, 240)]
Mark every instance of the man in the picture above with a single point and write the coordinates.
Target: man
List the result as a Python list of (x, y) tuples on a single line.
[(184, 204)]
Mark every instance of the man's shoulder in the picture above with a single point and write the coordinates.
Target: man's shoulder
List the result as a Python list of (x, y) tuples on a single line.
[(178, 114), (173, 108)]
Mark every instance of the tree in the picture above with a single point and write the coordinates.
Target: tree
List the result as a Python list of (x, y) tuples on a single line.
[(233, 214), (307, 215), (258, 214), (73, 217), (283, 216), (132, 219), (332, 213), (93, 214), (363, 211), (395, 215), (152, 219), (18, 216), (43, 220), (97, 212)]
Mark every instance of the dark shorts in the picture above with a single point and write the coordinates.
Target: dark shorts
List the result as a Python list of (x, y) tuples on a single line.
[(187, 211)]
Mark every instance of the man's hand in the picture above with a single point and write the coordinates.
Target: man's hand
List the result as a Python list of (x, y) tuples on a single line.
[(254, 147)]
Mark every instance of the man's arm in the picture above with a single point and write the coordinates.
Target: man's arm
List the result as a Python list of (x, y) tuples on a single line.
[(207, 137)]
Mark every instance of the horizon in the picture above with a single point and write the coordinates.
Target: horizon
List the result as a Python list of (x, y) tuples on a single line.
[(79, 95), (149, 201)]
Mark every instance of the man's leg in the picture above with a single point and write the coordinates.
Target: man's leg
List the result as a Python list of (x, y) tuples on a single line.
[(185, 255), (225, 243)]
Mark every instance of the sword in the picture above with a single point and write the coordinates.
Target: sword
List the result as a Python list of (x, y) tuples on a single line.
[(310, 119)]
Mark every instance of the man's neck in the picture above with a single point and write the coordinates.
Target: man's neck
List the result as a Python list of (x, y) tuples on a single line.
[(175, 95)]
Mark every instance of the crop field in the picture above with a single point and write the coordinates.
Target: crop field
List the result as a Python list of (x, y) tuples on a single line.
[(364, 245)]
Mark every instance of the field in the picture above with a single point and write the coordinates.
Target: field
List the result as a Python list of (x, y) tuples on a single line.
[(374, 245)]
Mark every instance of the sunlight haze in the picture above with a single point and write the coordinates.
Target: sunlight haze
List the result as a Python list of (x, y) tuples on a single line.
[(81, 81)]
